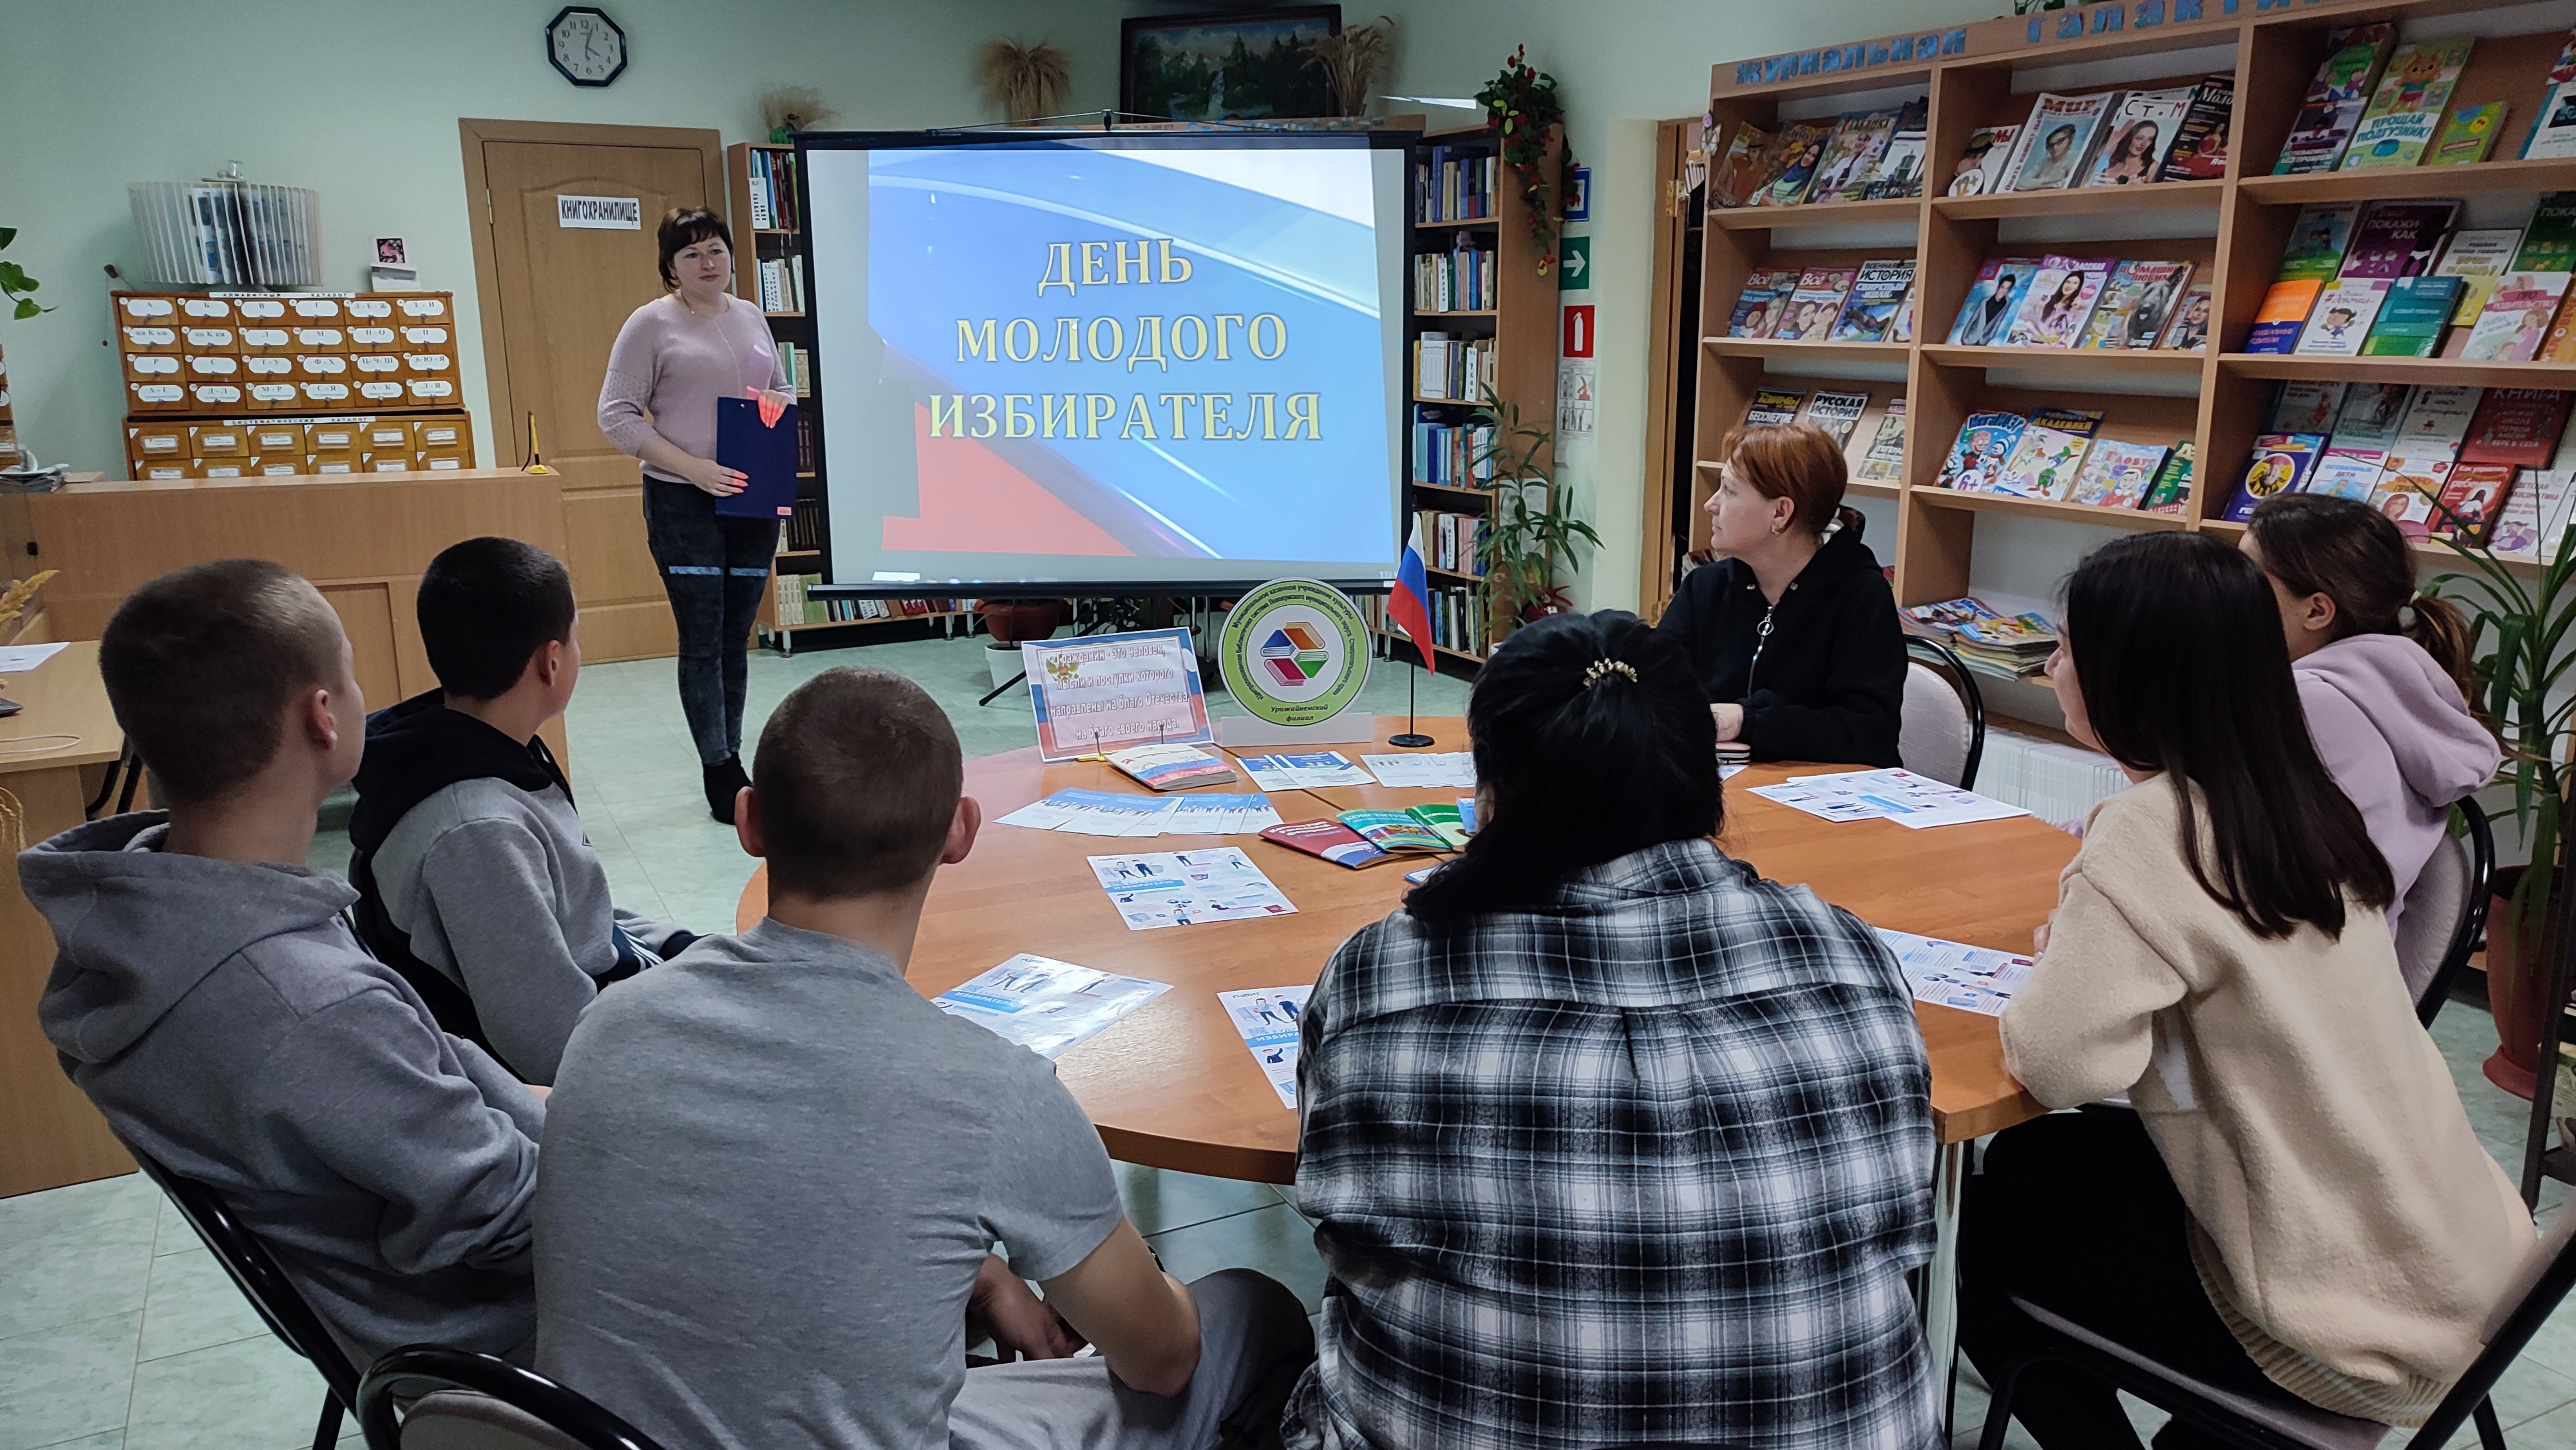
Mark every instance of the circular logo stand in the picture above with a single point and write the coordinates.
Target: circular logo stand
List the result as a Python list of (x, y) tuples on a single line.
[(1294, 652)]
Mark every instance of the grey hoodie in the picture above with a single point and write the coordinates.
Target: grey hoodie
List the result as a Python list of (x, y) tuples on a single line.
[(2395, 734), (226, 1022)]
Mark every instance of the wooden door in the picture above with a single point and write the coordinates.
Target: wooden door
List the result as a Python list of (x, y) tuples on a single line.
[(553, 298)]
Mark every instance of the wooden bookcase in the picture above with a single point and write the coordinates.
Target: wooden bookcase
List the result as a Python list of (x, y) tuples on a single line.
[(1522, 324), (754, 245), (2234, 229)]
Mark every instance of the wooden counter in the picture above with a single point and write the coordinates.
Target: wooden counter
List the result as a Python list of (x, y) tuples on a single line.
[(362, 538), (52, 754)]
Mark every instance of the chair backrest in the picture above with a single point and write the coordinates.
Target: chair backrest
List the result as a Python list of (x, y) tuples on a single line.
[(1942, 731), (254, 1271), (2538, 1287), (2446, 911), (465, 1401)]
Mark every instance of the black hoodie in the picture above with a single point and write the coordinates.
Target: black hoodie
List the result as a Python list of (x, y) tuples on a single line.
[(1830, 684)]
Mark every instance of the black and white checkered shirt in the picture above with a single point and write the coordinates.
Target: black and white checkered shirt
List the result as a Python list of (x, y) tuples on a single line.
[(1646, 1161)]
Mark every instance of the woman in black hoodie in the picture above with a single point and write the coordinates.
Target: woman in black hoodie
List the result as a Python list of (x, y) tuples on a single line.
[(1793, 634)]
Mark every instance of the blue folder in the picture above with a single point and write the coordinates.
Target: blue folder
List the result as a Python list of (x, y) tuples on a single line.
[(766, 457)]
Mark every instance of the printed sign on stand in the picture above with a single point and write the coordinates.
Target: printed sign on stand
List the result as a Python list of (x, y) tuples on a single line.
[(1109, 691)]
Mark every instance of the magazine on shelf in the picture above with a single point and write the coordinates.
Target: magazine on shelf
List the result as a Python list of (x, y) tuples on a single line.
[(2479, 258), (2471, 498), (2300, 406), (1812, 308), (1774, 407), (2171, 491), (2516, 531), (1945, 617), (1981, 166), (2058, 139), (2516, 427), (2553, 127), (2282, 317), (2335, 99), (1985, 318), (1851, 154), (1801, 147), (2343, 472), (2339, 321), (2136, 304), (2413, 317), (2062, 294), (1902, 329), (2136, 136), (2279, 464), (2373, 415), (2467, 135), (2189, 329), (1885, 461), (1876, 293), (2407, 105), (2549, 238), (1899, 169), (2199, 151), (1977, 456), (2398, 239), (2516, 319), (2050, 454), (2118, 474), (1743, 173), (1836, 413), (1764, 298)]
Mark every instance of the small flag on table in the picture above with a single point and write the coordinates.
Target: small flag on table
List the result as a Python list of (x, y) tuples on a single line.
[(1405, 602)]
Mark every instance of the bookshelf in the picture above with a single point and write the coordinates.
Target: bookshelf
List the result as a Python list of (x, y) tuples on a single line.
[(1517, 321), (2232, 229)]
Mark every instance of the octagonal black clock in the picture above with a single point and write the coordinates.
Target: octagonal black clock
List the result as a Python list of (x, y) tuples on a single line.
[(586, 45)]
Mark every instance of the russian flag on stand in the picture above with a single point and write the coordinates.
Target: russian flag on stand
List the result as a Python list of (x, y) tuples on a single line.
[(1405, 603)]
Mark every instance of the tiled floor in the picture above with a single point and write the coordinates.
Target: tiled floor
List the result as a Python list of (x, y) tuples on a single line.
[(118, 1330)]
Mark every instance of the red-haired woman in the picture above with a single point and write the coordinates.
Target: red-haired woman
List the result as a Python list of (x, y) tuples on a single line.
[(1793, 634)]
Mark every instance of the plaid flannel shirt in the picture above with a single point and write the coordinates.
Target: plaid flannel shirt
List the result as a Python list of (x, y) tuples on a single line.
[(1648, 1160)]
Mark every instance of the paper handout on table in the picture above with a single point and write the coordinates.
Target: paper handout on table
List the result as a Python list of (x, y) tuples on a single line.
[(1045, 1005), (17, 659), (1184, 888), (1303, 771), (1901, 796), (1952, 974), (1454, 767), (1107, 813), (1268, 1021)]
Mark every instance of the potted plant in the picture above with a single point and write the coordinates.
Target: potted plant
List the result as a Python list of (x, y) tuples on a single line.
[(15, 284), (1523, 111), (2521, 633), (1534, 523)]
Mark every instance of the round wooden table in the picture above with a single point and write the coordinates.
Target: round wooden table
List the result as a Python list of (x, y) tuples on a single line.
[(1173, 1086)]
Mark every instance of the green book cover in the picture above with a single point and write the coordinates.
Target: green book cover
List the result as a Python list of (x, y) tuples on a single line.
[(2549, 243), (2408, 104), (2317, 241), (2468, 136), (1442, 819), (2173, 481), (1394, 831), (2410, 322)]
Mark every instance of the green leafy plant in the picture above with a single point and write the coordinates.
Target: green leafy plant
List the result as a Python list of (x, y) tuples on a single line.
[(1521, 546), (2519, 633), (1522, 108), (15, 284)]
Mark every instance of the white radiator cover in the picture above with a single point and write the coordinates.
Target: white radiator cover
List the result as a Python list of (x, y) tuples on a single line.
[(2060, 784)]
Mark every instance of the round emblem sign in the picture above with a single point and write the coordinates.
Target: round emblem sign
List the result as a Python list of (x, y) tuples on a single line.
[(1294, 652)]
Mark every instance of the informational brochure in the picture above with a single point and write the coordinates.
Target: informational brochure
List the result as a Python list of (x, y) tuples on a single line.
[(17, 659), (1910, 800), (1304, 771), (1045, 1005), (1952, 974), (1104, 692), (1187, 888), (1436, 768), (1267, 1018), (1108, 813)]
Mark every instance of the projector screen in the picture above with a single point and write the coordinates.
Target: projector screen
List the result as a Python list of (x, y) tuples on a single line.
[(1129, 361)]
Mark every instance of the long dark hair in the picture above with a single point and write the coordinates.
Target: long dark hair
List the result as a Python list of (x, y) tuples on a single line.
[(2351, 553), (2177, 645), (1594, 740)]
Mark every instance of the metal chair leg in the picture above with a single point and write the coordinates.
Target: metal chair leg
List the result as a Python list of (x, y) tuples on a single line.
[(326, 1435), (1999, 1407), (2490, 1434)]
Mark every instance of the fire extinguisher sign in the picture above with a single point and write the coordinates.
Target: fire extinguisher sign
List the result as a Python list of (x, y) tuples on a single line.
[(1578, 330)]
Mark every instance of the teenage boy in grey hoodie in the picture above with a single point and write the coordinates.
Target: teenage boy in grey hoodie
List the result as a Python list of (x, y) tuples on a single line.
[(209, 998), (475, 878)]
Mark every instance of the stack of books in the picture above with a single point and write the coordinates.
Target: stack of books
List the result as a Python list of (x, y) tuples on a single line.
[(2007, 646), (1862, 156), (2395, 280)]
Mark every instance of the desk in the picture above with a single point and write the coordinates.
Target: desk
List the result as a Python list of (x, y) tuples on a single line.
[(1173, 1086), (49, 1134)]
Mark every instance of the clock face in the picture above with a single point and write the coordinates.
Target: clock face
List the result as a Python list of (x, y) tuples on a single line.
[(586, 46)]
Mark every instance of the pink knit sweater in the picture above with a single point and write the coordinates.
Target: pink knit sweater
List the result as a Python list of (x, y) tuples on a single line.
[(668, 367)]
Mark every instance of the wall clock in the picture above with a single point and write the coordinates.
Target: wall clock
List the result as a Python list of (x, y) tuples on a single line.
[(586, 45)]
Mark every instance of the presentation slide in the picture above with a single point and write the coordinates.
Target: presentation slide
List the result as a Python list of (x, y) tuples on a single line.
[(1118, 360)]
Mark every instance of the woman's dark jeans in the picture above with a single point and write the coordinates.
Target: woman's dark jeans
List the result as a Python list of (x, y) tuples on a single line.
[(714, 569)]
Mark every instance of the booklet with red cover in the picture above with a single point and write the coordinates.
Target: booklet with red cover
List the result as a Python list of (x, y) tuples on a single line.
[(1329, 839)]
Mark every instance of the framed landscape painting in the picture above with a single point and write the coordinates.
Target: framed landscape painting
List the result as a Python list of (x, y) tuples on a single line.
[(1233, 65)]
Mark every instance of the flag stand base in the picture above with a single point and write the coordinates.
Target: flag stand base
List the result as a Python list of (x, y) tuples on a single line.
[(1410, 741)]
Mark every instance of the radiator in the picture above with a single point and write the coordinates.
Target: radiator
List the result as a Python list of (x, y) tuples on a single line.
[(2060, 784)]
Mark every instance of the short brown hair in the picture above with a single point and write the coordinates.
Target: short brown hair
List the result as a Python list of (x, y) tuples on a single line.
[(201, 664), (1797, 461), (686, 226), (856, 782)]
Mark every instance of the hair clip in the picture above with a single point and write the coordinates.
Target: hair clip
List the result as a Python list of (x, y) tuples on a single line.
[(1592, 675)]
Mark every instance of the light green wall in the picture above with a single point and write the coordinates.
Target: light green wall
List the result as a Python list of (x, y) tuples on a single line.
[(359, 99)]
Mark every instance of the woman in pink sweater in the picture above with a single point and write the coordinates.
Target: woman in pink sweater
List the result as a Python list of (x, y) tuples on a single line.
[(2382, 670), (676, 355), (2295, 1208)]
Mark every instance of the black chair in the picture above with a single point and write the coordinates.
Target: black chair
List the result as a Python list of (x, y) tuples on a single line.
[(2281, 1421), (483, 1401), (2446, 911), (1941, 731), (255, 1272)]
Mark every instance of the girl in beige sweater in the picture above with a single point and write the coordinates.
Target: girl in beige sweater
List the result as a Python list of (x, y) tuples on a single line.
[(2297, 1205)]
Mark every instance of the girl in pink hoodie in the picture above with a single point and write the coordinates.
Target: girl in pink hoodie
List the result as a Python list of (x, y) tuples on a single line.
[(2382, 671)]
